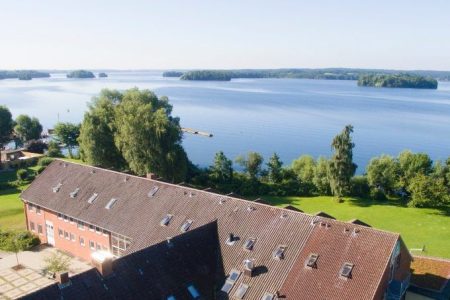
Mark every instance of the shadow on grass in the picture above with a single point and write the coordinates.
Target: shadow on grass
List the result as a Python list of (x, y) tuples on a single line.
[(11, 191), (363, 202)]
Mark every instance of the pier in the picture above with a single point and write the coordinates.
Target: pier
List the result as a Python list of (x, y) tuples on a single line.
[(197, 132)]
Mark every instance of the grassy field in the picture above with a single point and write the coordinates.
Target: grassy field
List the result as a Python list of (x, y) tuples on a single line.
[(418, 226)]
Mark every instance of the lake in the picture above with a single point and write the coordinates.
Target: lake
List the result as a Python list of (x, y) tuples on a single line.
[(287, 116)]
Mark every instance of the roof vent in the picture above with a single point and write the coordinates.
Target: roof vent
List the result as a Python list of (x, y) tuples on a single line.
[(92, 198), (249, 243), (311, 262), (346, 230), (284, 215), (278, 254), (355, 231), (346, 270), (231, 240), (166, 220), (250, 208), (169, 242), (191, 194), (249, 266), (126, 179), (153, 191), (315, 220), (222, 201), (92, 171), (111, 203), (186, 225), (57, 187), (74, 193)]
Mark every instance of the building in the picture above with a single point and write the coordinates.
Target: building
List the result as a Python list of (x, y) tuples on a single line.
[(175, 242), (18, 157)]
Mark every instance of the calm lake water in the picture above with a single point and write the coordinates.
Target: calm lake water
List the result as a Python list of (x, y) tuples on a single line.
[(287, 116)]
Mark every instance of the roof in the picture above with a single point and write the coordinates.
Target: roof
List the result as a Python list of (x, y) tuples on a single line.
[(430, 273), (137, 215)]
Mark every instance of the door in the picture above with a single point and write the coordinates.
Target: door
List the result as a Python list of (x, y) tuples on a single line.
[(50, 233)]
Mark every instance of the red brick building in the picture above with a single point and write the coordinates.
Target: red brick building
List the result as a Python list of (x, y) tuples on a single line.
[(175, 242)]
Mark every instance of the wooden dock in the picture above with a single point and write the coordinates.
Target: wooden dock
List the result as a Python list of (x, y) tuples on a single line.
[(197, 132)]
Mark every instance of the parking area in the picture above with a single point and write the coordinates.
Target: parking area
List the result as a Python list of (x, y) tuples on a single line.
[(17, 283)]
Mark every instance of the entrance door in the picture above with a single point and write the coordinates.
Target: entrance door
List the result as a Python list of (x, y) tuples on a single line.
[(50, 233)]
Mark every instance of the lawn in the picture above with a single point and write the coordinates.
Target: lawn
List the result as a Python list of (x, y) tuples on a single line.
[(418, 226)]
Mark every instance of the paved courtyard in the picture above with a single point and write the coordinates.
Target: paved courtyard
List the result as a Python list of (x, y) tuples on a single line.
[(14, 284)]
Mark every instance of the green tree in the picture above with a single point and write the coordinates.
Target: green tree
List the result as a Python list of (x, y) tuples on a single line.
[(67, 133), (96, 138), (411, 164), (275, 168), (427, 191), (53, 150), (148, 137), (222, 169), (342, 167), (27, 128), (383, 173), (251, 164), (6, 125), (321, 178), (57, 262), (304, 168)]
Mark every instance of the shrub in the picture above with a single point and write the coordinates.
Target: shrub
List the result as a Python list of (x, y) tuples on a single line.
[(22, 175), (54, 150), (17, 240), (359, 186), (57, 262), (45, 161), (40, 169), (377, 194)]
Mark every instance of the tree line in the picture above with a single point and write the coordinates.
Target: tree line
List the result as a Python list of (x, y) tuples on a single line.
[(398, 81)]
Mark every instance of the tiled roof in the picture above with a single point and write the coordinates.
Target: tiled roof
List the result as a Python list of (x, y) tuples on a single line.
[(138, 215)]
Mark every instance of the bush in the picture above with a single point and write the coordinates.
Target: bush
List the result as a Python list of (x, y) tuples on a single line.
[(22, 175), (54, 150), (377, 194), (45, 161), (40, 169), (57, 262), (17, 240), (359, 186), (37, 147)]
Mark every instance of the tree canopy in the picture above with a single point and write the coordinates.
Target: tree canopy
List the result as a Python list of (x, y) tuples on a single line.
[(251, 164), (222, 169), (80, 74), (67, 133), (398, 81), (27, 129), (6, 125)]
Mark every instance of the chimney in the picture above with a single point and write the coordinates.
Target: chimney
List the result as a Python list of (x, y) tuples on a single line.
[(62, 278), (102, 261), (248, 268), (152, 176)]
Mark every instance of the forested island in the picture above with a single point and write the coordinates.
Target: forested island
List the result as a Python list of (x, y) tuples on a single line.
[(102, 75), (207, 75), (327, 73), (23, 74), (80, 74), (172, 74), (398, 81)]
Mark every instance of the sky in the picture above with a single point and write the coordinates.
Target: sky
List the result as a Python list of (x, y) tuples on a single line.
[(169, 34)]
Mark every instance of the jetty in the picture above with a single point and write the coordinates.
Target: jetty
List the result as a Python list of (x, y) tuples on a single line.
[(198, 132)]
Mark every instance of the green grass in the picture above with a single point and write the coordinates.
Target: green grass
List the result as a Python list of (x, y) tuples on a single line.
[(417, 226)]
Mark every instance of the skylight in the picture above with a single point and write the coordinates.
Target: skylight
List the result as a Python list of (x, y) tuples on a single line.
[(267, 296), (92, 198), (74, 193), (193, 291), (249, 243), (186, 225), (111, 203), (279, 252), (226, 288), (346, 270), (234, 275), (311, 262), (240, 292), (153, 191), (166, 220), (57, 187)]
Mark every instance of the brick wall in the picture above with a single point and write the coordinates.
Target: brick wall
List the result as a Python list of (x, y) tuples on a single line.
[(79, 241)]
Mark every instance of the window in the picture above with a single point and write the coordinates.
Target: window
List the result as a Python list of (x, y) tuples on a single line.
[(39, 228), (119, 244), (171, 298), (32, 226), (91, 228), (153, 191), (346, 270), (66, 235), (66, 219), (57, 187), (71, 220), (92, 198), (193, 291), (98, 230), (111, 203), (92, 245), (30, 207), (249, 243), (99, 247), (240, 292), (38, 210), (60, 233), (186, 225), (311, 262), (82, 241), (234, 275), (72, 237), (267, 296), (80, 225), (226, 288), (166, 220), (105, 233), (279, 252), (60, 216), (74, 193)]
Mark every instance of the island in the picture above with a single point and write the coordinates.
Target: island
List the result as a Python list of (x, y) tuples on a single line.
[(80, 74), (207, 75), (102, 75), (172, 74), (398, 81), (23, 74)]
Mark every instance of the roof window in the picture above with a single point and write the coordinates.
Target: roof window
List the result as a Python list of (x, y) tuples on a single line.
[(267, 296), (279, 252), (311, 262), (74, 193), (193, 291), (240, 292), (111, 203), (153, 191), (249, 243), (346, 270), (231, 280), (186, 225), (166, 220), (57, 187), (92, 198)]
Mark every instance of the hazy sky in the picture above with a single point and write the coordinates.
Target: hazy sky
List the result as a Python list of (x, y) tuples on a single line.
[(224, 34)]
